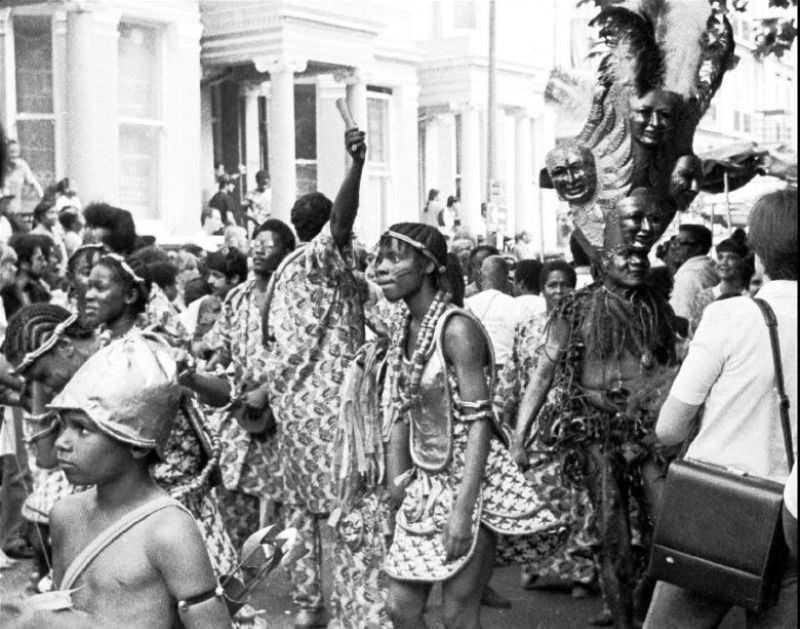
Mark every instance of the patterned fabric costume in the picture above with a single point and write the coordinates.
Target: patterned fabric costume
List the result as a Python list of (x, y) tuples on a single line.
[(507, 503), (316, 324), (573, 562), (602, 450), (250, 468), (361, 519)]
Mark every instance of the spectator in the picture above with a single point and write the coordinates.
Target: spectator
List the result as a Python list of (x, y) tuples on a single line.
[(527, 288), (223, 200), (259, 201), (66, 197), (18, 177), (689, 251), (32, 266), (495, 307), (476, 257), (729, 371), (72, 227), (735, 268), (45, 222), (111, 226), (430, 213)]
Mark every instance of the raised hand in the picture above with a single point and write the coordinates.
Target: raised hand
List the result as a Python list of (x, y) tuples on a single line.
[(355, 145)]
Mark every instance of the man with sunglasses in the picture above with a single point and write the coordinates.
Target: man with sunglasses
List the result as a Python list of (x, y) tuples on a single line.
[(689, 250)]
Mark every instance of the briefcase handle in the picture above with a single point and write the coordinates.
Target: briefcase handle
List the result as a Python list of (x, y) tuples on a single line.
[(783, 399)]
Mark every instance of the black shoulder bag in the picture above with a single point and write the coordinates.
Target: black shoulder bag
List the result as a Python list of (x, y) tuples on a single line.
[(719, 532)]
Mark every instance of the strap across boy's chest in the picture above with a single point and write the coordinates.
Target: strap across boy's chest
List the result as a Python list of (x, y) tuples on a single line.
[(106, 537)]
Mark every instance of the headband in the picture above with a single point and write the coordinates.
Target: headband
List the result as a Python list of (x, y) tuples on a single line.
[(126, 268), (49, 344), (416, 244), (91, 246)]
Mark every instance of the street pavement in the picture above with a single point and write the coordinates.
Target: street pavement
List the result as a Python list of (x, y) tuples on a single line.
[(531, 609)]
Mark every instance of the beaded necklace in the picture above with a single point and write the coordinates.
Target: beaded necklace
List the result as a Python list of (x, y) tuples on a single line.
[(406, 390)]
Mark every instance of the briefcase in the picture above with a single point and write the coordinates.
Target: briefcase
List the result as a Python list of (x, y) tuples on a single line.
[(719, 534)]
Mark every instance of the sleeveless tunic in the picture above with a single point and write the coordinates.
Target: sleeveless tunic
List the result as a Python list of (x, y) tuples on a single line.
[(507, 503)]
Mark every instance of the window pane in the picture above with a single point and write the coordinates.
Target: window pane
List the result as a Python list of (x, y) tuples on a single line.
[(377, 125), (33, 54), (306, 178), (139, 168), (305, 121), (138, 76), (37, 141)]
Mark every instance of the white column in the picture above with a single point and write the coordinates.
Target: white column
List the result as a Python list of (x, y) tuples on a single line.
[(446, 156), (471, 195), (7, 78), (403, 193), (523, 172), (252, 148), (283, 175), (544, 220), (60, 89), (92, 99), (331, 156), (181, 185), (206, 162)]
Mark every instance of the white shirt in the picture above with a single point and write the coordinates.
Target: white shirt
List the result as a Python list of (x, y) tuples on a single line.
[(499, 313), (530, 305), (729, 367), (790, 492), (692, 276)]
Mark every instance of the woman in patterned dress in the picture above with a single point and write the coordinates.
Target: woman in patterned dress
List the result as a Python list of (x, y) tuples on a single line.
[(573, 563), (466, 503)]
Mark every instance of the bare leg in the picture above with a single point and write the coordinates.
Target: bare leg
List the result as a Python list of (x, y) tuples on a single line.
[(406, 604), (461, 595)]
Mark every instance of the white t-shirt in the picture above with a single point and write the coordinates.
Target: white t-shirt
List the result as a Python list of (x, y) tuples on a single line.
[(729, 367), (499, 313), (530, 305)]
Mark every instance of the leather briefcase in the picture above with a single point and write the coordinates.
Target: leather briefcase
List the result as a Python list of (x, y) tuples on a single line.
[(718, 534)]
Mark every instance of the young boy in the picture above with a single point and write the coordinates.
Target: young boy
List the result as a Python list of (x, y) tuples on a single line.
[(133, 556)]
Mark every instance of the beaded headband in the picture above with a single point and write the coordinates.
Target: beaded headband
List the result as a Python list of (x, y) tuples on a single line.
[(49, 344), (126, 268), (416, 244), (89, 247)]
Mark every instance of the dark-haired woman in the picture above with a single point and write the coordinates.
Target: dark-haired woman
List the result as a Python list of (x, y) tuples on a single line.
[(463, 492), (116, 297), (572, 564), (735, 268)]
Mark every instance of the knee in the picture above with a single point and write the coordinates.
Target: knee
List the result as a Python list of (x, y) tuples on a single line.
[(403, 615)]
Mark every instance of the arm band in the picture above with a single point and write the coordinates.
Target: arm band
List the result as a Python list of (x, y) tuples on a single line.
[(215, 592)]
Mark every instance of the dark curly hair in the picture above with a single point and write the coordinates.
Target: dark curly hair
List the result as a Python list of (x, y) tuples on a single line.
[(309, 215)]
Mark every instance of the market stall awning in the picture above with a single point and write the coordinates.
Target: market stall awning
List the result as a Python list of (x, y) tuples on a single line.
[(741, 161)]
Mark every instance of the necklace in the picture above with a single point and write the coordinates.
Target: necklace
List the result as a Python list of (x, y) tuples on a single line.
[(406, 390)]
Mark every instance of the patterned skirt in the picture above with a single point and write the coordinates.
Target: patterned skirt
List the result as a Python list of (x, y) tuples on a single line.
[(359, 594), (508, 505)]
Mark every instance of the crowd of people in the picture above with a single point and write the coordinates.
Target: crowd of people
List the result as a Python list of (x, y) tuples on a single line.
[(444, 407)]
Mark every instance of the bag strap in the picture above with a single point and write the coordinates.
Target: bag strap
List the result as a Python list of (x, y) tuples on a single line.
[(783, 399), (107, 536)]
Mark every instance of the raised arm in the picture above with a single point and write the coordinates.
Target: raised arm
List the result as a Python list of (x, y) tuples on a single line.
[(345, 206)]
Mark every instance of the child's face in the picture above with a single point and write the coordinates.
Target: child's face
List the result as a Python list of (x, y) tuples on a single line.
[(85, 454)]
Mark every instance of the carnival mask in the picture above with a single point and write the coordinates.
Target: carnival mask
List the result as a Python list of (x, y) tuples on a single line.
[(572, 170), (652, 116), (684, 183), (643, 218)]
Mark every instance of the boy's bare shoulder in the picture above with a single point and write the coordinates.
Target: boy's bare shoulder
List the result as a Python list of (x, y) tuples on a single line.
[(171, 526)]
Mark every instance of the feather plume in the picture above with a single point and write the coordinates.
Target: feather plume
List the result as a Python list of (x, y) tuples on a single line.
[(680, 33), (633, 57)]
